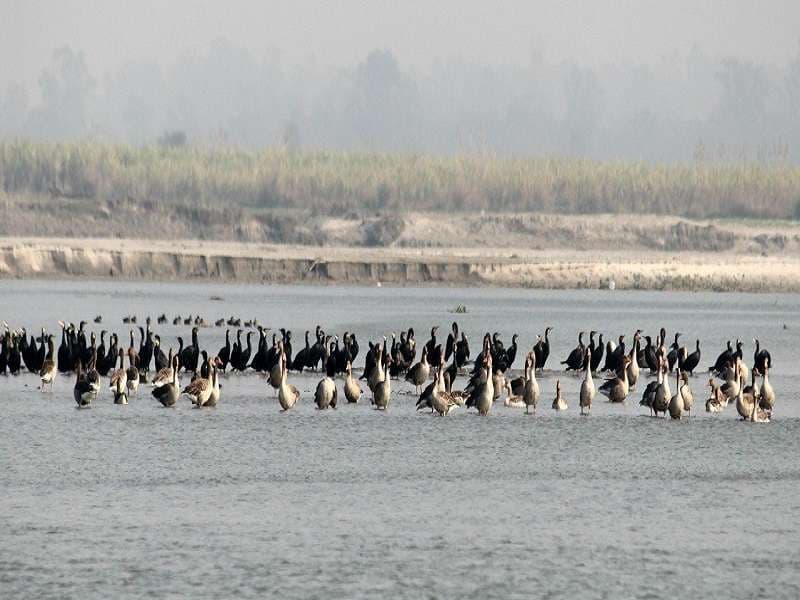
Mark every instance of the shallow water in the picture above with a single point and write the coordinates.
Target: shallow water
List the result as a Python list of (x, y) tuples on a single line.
[(246, 500)]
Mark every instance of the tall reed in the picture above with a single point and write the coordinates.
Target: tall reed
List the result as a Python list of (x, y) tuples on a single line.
[(347, 182)]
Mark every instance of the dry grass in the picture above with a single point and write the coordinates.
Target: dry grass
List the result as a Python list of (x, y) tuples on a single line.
[(340, 183)]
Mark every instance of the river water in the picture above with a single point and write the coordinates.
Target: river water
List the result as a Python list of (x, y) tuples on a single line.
[(244, 500)]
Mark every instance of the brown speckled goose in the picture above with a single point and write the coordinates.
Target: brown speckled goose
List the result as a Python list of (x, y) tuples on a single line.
[(168, 393), (118, 383), (199, 391)]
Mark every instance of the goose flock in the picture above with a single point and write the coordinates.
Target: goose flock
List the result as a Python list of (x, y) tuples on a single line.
[(651, 365)]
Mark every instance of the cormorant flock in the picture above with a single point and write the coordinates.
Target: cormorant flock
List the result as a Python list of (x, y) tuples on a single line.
[(433, 368)]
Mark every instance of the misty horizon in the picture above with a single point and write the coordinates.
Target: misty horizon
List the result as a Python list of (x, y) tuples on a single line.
[(627, 80)]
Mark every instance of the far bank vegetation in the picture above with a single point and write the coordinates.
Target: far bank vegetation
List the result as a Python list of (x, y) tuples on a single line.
[(283, 196)]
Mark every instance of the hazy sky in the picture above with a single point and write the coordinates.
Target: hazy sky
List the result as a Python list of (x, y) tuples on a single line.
[(342, 32)]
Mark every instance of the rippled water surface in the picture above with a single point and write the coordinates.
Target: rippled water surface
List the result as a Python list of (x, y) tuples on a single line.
[(244, 500)]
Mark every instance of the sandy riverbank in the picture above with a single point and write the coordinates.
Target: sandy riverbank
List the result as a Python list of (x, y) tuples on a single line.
[(509, 267)]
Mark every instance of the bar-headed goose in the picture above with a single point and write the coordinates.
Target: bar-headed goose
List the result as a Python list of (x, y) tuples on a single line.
[(676, 401), (588, 389), (352, 391), (559, 402), (288, 395), (532, 392)]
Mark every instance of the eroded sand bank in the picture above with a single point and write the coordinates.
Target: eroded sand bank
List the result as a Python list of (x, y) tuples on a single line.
[(241, 262)]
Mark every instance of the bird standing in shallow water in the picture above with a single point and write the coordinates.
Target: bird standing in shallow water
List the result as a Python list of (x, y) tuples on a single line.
[(559, 402), (352, 391), (288, 395), (532, 392), (383, 389), (49, 369), (118, 384), (587, 387), (168, 392), (84, 391), (326, 394), (419, 373)]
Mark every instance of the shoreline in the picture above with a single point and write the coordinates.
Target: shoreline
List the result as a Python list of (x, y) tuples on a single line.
[(190, 260)]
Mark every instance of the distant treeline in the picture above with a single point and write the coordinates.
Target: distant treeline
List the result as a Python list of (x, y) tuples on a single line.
[(682, 108), (346, 183)]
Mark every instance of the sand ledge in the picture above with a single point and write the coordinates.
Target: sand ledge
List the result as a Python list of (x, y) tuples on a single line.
[(187, 260)]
